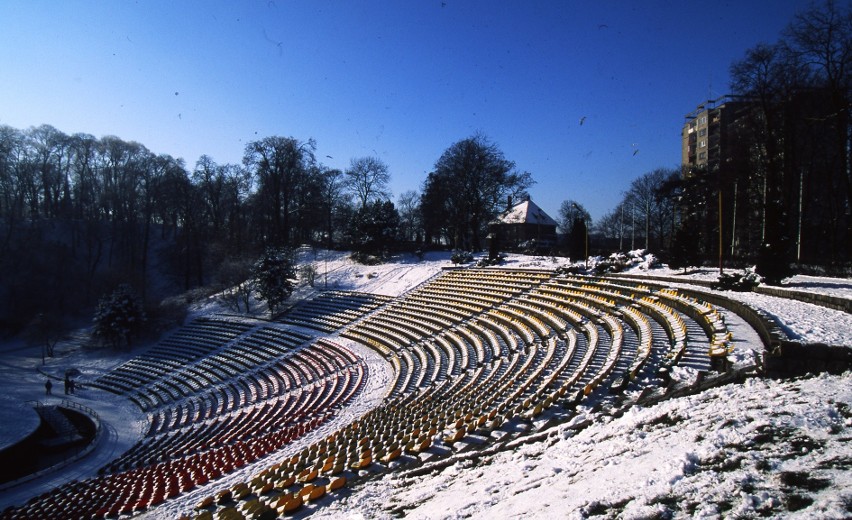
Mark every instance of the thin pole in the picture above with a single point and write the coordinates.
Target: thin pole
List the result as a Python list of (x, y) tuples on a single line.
[(734, 221), (763, 212), (720, 231), (621, 231), (799, 237)]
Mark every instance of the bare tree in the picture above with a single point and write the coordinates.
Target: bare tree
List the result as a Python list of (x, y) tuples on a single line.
[(569, 212), (408, 206), (820, 38), (646, 197), (367, 178), (280, 164)]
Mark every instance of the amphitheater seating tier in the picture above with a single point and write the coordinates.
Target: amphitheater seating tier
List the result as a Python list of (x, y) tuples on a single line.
[(470, 351)]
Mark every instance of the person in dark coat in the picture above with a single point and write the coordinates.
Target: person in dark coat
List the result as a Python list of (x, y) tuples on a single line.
[(67, 385), (48, 387)]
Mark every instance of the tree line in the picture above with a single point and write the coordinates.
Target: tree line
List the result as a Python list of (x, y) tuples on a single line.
[(80, 215), (783, 186)]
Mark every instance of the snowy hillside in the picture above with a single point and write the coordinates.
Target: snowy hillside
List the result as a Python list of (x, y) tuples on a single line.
[(750, 449)]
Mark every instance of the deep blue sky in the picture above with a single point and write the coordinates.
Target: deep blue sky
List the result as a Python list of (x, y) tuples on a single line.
[(401, 80)]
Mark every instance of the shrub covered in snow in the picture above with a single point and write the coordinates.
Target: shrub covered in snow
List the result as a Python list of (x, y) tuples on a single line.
[(308, 274), (744, 281), (618, 262), (570, 269), (274, 276), (773, 263), (119, 316), (461, 257), (485, 262), (365, 258)]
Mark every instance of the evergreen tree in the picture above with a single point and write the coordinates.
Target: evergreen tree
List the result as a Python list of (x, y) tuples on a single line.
[(773, 261), (374, 227), (119, 317), (577, 240), (684, 252), (274, 277)]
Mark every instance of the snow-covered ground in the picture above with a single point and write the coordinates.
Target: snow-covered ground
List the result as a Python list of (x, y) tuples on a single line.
[(763, 447), (742, 451)]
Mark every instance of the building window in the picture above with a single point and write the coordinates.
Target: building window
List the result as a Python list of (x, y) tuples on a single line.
[(703, 120), (702, 132), (702, 143), (702, 155)]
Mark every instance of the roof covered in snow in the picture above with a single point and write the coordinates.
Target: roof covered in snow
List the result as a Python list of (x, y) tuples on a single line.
[(527, 212)]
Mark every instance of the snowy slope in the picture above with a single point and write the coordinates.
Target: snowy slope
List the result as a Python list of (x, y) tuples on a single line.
[(747, 450), (761, 447)]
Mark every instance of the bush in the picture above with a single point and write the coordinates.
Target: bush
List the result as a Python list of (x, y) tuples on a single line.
[(745, 281), (273, 277), (365, 259), (308, 274), (461, 257), (773, 262), (615, 263), (569, 270), (486, 262), (119, 317)]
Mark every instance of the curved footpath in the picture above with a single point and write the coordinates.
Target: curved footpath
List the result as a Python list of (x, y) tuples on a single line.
[(121, 424)]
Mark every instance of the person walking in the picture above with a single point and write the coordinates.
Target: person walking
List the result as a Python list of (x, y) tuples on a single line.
[(48, 387)]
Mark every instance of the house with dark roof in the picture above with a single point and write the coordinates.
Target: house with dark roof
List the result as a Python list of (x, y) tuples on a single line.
[(523, 227)]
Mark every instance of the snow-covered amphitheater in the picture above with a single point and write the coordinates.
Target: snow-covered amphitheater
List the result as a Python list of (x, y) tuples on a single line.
[(241, 417)]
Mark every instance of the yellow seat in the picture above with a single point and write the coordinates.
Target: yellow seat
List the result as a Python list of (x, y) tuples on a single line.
[(316, 493), (205, 502), (337, 483)]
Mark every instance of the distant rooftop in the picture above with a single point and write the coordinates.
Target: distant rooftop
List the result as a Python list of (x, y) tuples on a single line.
[(526, 212)]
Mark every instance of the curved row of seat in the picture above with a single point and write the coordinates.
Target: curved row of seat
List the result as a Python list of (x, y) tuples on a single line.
[(187, 345), (138, 489), (146, 383), (332, 310), (471, 350), (288, 386), (475, 349)]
